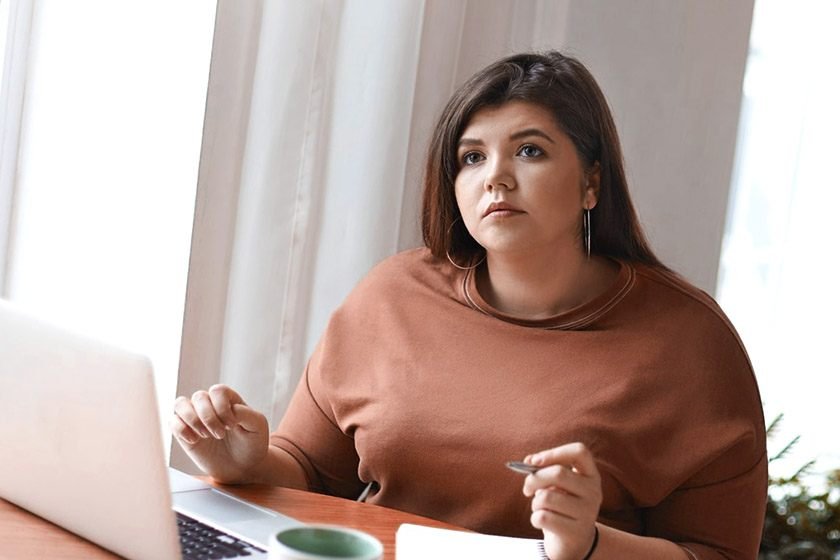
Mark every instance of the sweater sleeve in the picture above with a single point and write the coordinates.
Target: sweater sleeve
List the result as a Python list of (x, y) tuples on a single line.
[(717, 520), (712, 487), (326, 454), (316, 428)]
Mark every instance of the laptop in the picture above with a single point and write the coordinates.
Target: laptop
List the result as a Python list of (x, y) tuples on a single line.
[(82, 448)]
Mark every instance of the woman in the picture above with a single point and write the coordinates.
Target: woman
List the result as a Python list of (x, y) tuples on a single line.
[(535, 323)]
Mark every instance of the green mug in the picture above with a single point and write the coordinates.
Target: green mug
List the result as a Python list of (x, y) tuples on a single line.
[(323, 542)]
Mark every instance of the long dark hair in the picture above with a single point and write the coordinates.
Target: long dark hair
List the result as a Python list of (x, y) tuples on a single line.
[(565, 87)]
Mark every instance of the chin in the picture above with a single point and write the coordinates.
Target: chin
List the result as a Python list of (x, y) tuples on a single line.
[(507, 249)]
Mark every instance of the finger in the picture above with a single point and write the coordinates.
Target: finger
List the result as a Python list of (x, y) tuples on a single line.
[(183, 432), (185, 411), (232, 396), (205, 411), (558, 524), (561, 503), (223, 398), (575, 454), (561, 477), (249, 419)]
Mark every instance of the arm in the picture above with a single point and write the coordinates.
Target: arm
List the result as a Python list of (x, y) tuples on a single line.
[(717, 518), (618, 544), (712, 521), (228, 440), (566, 498), (278, 468), (309, 437)]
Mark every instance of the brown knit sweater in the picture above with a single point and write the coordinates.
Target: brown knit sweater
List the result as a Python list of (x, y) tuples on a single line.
[(419, 385)]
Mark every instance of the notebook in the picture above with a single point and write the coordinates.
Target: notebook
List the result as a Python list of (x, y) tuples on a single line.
[(82, 447), (418, 542)]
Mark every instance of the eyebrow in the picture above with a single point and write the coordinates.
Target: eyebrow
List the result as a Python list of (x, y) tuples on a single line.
[(515, 136)]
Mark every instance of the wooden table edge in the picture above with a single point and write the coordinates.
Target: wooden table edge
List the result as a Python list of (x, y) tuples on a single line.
[(25, 535)]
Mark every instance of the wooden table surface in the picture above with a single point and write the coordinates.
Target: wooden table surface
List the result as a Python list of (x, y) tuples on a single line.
[(26, 536)]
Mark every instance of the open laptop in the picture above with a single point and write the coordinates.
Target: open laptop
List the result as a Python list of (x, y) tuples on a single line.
[(81, 446)]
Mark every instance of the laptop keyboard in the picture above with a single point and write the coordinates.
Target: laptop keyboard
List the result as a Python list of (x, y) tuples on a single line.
[(202, 542)]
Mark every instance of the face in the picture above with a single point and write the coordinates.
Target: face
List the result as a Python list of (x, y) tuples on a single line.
[(521, 186)]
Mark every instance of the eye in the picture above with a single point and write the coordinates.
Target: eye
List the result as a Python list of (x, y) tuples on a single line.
[(530, 151), (471, 158)]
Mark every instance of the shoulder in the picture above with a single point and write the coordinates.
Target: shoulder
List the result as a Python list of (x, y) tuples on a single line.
[(405, 271), (678, 301), (398, 294), (705, 353), (408, 262), (673, 283), (411, 277)]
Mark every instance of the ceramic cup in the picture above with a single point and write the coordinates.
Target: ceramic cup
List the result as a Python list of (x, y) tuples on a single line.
[(323, 542)]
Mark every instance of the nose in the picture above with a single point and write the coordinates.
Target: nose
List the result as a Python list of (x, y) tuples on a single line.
[(499, 176)]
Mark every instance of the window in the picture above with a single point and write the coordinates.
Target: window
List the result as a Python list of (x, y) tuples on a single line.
[(107, 169), (779, 268)]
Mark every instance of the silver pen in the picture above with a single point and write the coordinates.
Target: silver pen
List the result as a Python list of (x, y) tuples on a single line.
[(521, 467)]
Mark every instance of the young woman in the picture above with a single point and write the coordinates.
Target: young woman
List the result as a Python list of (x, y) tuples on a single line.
[(536, 324)]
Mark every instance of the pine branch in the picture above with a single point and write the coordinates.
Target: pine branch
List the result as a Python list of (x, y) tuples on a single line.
[(785, 450), (804, 469), (771, 429)]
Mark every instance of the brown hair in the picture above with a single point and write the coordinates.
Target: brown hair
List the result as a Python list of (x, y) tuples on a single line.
[(565, 87)]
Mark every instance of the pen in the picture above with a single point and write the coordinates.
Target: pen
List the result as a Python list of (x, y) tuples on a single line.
[(521, 467)]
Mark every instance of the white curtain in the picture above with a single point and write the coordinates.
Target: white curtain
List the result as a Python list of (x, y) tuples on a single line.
[(15, 30), (318, 116)]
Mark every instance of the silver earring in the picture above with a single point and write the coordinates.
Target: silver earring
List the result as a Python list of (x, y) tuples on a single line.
[(465, 267), (449, 235), (587, 232)]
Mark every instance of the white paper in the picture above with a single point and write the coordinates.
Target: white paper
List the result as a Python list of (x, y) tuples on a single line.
[(418, 542)]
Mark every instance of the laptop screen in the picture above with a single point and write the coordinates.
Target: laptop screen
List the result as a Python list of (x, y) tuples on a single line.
[(81, 437)]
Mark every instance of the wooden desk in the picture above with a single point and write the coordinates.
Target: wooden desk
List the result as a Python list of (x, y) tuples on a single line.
[(26, 536)]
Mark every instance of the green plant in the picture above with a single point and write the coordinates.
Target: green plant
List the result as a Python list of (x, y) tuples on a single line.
[(801, 522)]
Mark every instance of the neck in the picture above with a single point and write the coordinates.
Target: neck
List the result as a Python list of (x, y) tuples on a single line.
[(534, 286)]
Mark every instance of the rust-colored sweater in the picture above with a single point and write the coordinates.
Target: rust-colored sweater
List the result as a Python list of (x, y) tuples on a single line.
[(419, 385)]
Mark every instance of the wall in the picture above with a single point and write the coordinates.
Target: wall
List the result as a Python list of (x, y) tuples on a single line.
[(672, 72)]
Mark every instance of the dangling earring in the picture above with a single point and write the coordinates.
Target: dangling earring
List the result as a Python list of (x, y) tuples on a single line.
[(464, 267), (449, 235), (587, 232)]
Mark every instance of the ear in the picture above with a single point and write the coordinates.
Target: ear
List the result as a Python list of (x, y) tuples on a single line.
[(592, 189)]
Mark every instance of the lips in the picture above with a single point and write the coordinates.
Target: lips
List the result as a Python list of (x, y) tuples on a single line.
[(501, 208)]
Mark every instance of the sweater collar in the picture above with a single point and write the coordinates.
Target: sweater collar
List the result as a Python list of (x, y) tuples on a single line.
[(576, 318)]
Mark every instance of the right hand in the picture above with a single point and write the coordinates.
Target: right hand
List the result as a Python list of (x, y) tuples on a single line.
[(223, 436)]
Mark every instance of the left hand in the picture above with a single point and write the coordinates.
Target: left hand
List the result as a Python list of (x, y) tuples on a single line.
[(566, 497)]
